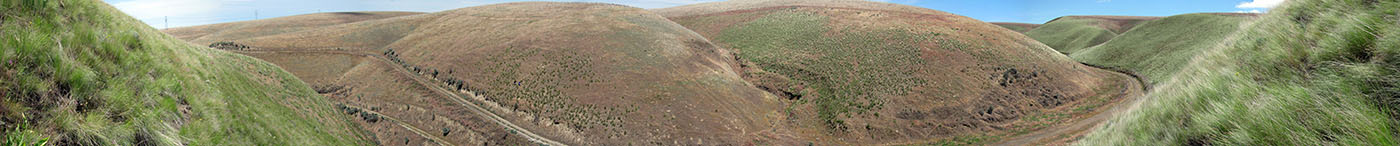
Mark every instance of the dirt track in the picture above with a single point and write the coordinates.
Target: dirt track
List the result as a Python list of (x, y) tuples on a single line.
[(526, 133), (396, 121), (1065, 134)]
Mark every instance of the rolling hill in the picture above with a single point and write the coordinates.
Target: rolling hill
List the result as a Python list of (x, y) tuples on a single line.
[(859, 73), (1310, 72), (587, 73), (779, 72), (79, 72), (206, 34), (1069, 34), (1159, 48)]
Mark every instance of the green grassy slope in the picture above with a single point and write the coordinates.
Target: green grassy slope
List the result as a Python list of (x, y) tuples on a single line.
[(1310, 72), (1018, 27), (1070, 34), (80, 73), (1159, 48)]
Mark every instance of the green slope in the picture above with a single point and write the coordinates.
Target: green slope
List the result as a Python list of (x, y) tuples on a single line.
[(1071, 34), (78, 72), (1018, 27), (1159, 48), (1310, 72)]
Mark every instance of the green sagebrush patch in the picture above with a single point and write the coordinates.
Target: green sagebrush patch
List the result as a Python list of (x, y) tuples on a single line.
[(849, 71)]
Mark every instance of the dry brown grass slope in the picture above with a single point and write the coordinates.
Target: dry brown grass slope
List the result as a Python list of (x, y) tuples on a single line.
[(593, 73), (859, 73), (580, 73), (206, 34)]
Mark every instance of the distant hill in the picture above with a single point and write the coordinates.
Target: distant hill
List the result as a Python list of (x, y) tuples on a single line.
[(206, 34), (1070, 34), (861, 73), (79, 72), (1018, 27)]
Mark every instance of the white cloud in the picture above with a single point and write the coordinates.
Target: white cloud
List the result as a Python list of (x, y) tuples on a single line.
[(1259, 4)]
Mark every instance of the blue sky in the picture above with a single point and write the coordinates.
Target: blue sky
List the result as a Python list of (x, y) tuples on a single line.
[(199, 12)]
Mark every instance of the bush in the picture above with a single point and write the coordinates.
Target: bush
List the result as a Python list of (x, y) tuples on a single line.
[(228, 46)]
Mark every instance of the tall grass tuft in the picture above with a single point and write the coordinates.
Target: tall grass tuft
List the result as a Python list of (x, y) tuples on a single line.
[(1311, 72)]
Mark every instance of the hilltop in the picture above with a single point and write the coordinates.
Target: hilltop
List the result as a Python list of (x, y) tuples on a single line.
[(79, 72), (1069, 34), (1018, 27), (877, 73)]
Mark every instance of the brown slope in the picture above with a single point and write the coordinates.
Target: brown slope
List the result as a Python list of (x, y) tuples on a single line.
[(379, 91), (580, 73), (894, 74), (597, 73), (206, 34), (372, 34)]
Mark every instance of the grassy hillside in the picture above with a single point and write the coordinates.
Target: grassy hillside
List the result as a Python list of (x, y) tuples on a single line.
[(1159, 48), (895, 74), (1311, 72), (1070, 34), (78, 72), (1018, 27)]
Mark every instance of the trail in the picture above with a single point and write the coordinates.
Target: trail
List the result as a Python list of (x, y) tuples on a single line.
[(526, 133), (1131, 93), (420, 132)]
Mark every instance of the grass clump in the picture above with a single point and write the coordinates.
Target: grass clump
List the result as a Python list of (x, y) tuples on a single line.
[(1310, 72), (1159, 48), (79, 72)]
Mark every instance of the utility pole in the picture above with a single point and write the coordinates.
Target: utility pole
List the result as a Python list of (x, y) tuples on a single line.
[(255, 14), (167, 22)]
